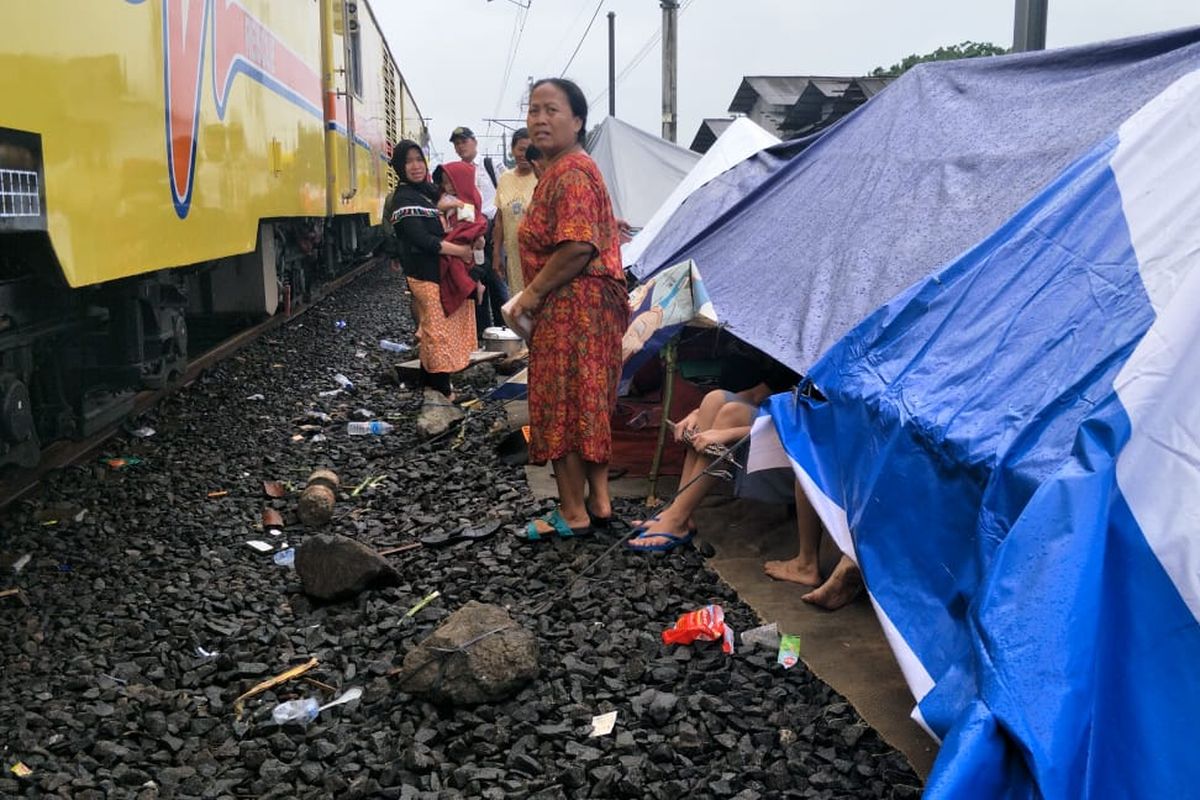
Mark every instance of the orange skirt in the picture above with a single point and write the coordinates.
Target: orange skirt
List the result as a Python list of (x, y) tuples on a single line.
[(446, 342)]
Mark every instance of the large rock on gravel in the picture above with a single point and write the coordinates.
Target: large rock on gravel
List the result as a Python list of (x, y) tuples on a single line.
[(479, 655), (437, 414), (334, 568)]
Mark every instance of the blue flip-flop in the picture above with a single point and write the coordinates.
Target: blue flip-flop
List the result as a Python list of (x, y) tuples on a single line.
[(673, 540), (555, 520)]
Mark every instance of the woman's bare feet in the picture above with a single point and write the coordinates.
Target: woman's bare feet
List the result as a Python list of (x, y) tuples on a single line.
[(794, 570), (843, 585)]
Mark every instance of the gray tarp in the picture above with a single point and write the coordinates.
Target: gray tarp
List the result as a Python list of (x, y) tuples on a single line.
[(640, 169)]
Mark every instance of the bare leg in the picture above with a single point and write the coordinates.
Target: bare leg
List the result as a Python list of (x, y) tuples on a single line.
[(676, 519), (710, 406), (599, 499), (570, 475), (672, 521), (842, 586), (803, 568)]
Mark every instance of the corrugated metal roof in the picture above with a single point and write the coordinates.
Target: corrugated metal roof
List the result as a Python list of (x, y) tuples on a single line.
[(710, 130), (776, 90), (873, 85), (815, 102)]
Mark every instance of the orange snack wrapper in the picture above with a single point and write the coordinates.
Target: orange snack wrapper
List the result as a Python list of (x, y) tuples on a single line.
[(704, 624)]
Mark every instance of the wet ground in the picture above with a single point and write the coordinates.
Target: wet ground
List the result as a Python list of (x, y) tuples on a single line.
[(141, 621)]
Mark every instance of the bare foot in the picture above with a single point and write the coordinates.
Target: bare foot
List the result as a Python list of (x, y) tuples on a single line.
[(794, 570), (842, 586)]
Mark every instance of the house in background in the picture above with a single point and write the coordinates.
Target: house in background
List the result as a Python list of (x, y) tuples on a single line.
[(711, 129), (792, 106)]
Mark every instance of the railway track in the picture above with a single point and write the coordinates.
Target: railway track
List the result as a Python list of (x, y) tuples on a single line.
[(16, 483)]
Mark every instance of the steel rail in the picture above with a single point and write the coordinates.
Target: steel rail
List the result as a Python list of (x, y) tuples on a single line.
[(16, 483)]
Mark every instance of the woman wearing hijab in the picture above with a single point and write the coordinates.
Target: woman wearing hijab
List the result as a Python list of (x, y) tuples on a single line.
[(446, 332), (575, 294)]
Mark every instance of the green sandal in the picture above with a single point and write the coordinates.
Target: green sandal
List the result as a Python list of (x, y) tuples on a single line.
[(557, 524)]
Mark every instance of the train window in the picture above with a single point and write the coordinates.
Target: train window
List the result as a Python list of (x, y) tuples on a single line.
[(356, 73)]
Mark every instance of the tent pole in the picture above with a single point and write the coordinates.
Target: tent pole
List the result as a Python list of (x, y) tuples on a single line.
[(668, 393)]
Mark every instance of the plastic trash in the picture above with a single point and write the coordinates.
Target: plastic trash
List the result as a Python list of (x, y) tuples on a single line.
[(373, 428), (345, 697), (344, 382), (121, 463), (603, 724), (394, 347), (329, 393), (319, 417), (789, 651), (260, 545), (705, 624), (340, 325), (256, 397), (306, 710), (144, 432), (202, 653), (301, 711), (21, 563), (765, 636), (286, 558)]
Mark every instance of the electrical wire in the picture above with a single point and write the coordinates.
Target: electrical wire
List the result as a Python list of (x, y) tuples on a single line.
[(638, 58), (583, 38), (514, 42)]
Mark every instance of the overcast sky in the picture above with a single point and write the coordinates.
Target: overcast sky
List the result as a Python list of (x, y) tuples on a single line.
[(453, 53)]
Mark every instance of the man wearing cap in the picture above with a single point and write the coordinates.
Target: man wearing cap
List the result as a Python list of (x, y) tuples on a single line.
[(467, 148)]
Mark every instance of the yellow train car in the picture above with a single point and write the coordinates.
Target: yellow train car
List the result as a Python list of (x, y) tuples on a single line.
[(167, 160)]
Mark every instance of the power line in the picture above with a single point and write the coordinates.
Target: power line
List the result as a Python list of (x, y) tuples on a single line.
[(586, 31), (567, 32), (638, 58), (514, 46)]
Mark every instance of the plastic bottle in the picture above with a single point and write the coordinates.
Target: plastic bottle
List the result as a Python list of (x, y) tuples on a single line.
[(393, 347), (301, 711), (344, 382), (374, 428)]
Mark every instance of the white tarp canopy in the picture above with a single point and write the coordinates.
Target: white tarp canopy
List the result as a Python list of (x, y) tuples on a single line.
[(740, 140), (640, 169)]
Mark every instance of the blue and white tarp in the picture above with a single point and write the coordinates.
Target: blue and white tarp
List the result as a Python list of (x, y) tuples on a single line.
[(799, 243), (1010, 449)]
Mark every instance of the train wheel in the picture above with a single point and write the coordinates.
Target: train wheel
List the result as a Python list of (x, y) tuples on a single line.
[(18, 437)]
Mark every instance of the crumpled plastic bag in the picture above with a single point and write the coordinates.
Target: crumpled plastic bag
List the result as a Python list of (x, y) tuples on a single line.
[(705, 624)]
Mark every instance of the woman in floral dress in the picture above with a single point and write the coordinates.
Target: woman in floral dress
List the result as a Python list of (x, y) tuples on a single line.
[(575, 293)]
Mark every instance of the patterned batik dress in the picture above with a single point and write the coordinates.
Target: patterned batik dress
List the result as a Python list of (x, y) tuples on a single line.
[(575, 353)]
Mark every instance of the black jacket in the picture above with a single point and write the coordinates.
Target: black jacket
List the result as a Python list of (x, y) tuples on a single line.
[(417, 230)]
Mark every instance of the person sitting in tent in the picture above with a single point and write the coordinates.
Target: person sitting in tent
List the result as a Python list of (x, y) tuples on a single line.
[(722, 420), (844, 583)]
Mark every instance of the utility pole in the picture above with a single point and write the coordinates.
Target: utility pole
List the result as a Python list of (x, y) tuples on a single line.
[(612, 63), (1029, 26), (670, 70)]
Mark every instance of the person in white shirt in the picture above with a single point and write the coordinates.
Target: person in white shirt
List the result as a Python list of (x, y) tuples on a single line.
[(487, 312)]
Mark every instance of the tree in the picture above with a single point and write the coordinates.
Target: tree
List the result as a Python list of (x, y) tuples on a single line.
[(951, 53)]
